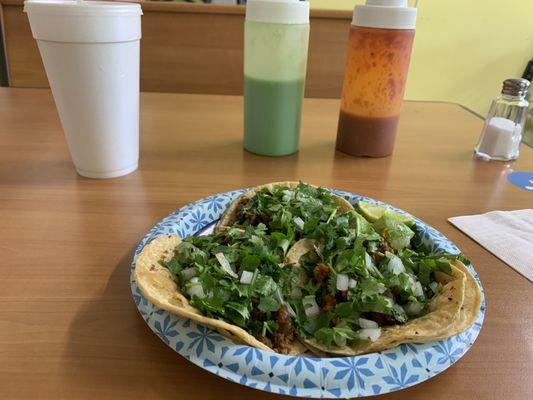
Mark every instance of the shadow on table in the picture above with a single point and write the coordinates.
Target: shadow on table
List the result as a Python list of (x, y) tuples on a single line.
[(111, 353)]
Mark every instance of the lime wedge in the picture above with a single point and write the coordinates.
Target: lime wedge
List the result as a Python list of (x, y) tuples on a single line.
[(373, 212)]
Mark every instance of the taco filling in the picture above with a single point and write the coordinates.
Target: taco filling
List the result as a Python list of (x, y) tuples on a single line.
[(294, 209), (238, 276), (291, 263)]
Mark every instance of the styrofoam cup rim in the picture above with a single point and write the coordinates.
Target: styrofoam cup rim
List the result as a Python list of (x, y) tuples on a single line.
[(85, 8)]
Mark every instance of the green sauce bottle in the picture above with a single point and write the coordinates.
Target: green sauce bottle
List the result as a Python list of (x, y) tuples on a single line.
[(276, 36)]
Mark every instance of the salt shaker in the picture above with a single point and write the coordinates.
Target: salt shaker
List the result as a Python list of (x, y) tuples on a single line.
[(504, 125)]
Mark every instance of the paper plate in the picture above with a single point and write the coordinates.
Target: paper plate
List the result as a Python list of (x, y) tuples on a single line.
[(341, 377)]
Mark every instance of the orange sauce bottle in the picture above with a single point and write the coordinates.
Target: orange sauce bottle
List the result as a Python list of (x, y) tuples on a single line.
[(379, 50)]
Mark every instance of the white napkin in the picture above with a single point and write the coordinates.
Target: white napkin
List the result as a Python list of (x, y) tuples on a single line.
[(506, 234)]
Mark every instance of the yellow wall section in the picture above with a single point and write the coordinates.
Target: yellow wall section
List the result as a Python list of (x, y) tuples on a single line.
[(464, 49)]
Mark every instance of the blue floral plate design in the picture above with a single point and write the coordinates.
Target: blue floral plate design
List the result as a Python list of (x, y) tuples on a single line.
[(341, 377)]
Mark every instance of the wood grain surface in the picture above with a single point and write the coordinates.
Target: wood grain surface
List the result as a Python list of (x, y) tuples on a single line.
[(191, 48), (69, 328)]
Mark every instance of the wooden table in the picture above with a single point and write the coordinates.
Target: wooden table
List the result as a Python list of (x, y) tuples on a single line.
[(68, 325)]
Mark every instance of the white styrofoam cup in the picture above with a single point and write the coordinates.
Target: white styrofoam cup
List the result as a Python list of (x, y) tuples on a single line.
[(90, 51)]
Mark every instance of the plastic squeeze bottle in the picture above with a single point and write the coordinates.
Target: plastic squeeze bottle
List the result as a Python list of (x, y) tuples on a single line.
[(276, 37), (379, 50)]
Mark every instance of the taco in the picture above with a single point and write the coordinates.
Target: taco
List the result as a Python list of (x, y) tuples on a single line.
[(291, 264), (471, 304), (233, 283), (282, 204), (367, 317)]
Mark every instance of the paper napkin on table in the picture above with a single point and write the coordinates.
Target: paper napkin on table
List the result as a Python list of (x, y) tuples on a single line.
[(506, 234)]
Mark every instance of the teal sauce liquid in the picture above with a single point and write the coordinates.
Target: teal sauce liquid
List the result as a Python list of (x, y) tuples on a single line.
[(272, 114)]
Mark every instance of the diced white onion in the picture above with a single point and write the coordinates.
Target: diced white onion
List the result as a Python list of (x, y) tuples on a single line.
[(368, 260), (371, 334), (352, 283), (343, 282), (310, 306), (434, 287), (418, 291), (246, 277), (188, 273), (413, 308), (299, 222), (256, 240), (367, 323), (196, 289), (224, 263), (395, 265), (287, 195)]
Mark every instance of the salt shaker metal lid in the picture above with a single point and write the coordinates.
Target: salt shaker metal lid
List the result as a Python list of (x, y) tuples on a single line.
[(515, 87)]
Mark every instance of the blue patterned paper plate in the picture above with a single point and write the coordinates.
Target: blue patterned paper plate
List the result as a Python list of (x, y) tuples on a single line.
[(340, 377)]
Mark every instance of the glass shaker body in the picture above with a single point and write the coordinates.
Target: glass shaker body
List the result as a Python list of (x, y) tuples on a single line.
[(502, 132), (275, 61), (374, 84)]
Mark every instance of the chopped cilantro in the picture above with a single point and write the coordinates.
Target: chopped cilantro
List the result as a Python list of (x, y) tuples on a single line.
[(390, 272)]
